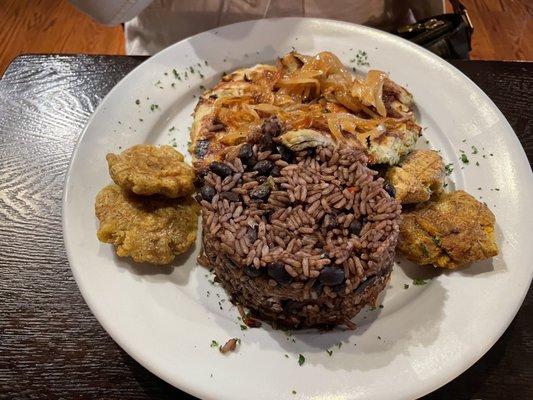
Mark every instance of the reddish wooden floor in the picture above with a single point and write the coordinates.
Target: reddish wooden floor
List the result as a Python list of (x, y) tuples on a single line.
[(503, 30)]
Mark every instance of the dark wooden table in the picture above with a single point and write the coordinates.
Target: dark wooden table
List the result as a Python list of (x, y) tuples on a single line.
[(50, 344)]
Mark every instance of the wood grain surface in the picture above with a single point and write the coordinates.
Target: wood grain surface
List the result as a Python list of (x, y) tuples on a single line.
[(503, 30), (50, 344), (52, 26)]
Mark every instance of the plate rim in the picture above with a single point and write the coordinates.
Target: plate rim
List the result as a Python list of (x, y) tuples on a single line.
[(181, 382)]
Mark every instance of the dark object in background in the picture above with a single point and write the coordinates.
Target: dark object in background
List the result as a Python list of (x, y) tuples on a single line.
[(447, 35)]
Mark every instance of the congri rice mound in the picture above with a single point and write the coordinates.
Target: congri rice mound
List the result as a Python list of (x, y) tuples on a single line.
[(302, 239)]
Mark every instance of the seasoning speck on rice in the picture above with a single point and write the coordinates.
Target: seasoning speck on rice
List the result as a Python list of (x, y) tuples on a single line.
[(308, 246)]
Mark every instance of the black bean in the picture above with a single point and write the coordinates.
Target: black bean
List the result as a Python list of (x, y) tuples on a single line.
[(286, 154), (267, 214), (266, 142), (260, 192), (331, 276), (339, 288), (317, 287), (390, 189), (264, 167), (220, 169), (207, 192), (253, 272), (277, 272), (275, 171), (246, 153), (252, 234), (271, 126), (230, 196), (261, 179), (355, 227), (292, 307)]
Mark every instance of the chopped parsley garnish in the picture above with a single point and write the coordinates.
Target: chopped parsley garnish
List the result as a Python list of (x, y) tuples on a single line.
[(286, 356), (464, 158), (424, 249), (140, 119), (339, 345), (301, 360), (330, 352), (137, 101), (405, 286), (294, 392), (419, 282), (153, 107), (477, 164), (436, 240), (474, 150), (191, 69), (381, 306), (202, 87), (243, 327), (448, 168), (214, 343), (173, 84), (172, 129), (497, 189), (205, 62)]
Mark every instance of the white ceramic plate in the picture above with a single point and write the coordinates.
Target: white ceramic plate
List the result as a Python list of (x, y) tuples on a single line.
[(424, 336)]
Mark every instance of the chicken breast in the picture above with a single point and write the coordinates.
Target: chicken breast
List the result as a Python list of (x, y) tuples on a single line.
[(449, 232), (418, 176), (146, 169), (305, 93), (148, 229)]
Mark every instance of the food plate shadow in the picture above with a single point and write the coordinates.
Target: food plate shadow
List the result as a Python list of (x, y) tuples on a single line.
[(369, 346), (178, 272)]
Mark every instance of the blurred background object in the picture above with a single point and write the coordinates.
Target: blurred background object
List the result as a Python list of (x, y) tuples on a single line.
[(503, 30)]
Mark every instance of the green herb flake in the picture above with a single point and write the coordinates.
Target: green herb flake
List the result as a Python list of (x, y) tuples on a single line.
[(294, 392), (436, 240), (191, 69), (448, 168), (243, 327), (140, 119), (381, 306), (201, 75), (474, 150), (464, 158), (173, 84), (301, 360), (339, 345), (405, 286), (330, 352), (424, 249), (154, 107), (286, 356), (205, 62), (497, 189), (202, 87), (477, 164), (172, 129), (419, 282), (137, 101), (214, 343)]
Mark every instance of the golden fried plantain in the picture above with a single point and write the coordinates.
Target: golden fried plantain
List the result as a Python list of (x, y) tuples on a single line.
[(418, 176), (148, 229), (146, 169), (449, 232)]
